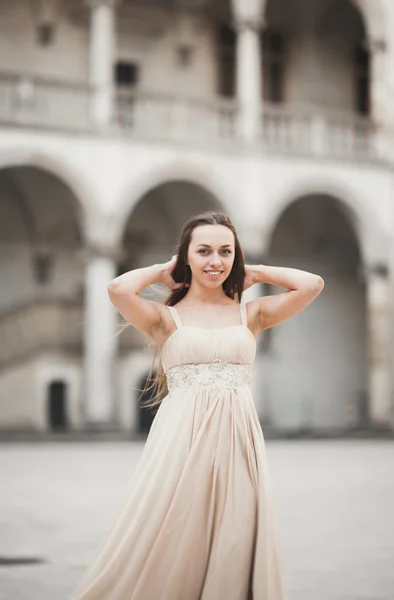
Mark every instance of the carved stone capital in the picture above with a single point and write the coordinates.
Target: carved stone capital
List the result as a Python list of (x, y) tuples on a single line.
[(100, 238), (248, 14), (94, 250), (245, 25)]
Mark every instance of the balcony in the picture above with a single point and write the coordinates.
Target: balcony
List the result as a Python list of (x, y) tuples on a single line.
[(36, 102)]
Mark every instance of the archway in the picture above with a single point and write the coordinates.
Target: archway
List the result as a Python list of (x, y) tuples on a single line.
[(152, 230), (316, 54), (41, 271), (322, 351), (313, 52)]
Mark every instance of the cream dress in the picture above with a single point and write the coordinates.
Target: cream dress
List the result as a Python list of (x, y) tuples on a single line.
[(199, 522)]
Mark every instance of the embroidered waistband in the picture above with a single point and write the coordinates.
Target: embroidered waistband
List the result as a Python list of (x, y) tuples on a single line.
[(229, 376)]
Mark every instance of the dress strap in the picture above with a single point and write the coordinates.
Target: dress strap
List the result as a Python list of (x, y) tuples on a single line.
[(175, 316), (244, 315)]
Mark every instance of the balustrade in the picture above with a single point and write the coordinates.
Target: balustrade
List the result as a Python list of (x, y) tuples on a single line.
[(303, 130), (44, 102), (171, 117), (285, 129)]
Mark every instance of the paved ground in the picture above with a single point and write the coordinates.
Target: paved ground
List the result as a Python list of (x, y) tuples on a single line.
[(335, 504)]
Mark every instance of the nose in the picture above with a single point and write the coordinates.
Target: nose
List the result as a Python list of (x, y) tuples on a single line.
[(215, 260)]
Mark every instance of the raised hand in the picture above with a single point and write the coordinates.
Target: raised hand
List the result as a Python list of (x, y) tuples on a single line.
[(249, 277), (166, 277)]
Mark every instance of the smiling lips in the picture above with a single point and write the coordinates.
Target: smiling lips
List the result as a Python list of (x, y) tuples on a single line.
[(213, 273)]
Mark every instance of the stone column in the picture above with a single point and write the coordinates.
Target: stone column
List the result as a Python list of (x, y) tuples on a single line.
[(102, 59), (378, 328), (100, 338), (248, 17)]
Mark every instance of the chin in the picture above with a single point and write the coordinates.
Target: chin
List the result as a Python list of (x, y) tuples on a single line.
[(214, 284)]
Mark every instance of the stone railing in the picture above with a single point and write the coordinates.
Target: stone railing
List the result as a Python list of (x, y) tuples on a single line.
[(42, 102), (174, 118), (295, 130), (304, 130), (349, 136), (43, 326)]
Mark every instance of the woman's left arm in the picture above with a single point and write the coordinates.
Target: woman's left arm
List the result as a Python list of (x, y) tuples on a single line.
[(303, 288)]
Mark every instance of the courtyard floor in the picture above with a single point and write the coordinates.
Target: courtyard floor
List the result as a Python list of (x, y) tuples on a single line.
[(335, 507)]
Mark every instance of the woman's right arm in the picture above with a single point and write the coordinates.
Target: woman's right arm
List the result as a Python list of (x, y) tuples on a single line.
[(146, 315)]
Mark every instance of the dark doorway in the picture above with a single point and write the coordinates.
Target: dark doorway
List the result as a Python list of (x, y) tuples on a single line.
[(57, 404), (146, 415)]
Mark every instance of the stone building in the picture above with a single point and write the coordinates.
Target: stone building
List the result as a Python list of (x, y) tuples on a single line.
[(120, 119)]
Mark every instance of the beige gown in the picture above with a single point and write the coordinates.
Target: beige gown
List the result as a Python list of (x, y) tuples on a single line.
[(199, 522)]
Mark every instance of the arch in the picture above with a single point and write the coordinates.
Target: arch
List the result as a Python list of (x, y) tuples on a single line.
[(373, 13), (324, 350), (59, 169), (370, 235), (375, 17), (169, 173)]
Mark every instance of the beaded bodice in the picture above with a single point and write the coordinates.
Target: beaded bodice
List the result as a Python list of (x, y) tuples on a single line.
[(196, 357), (228, 376)]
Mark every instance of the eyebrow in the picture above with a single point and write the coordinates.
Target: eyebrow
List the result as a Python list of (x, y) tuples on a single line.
[(208, 246)]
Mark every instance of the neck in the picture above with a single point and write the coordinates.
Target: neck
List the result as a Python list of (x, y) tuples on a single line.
[(201, 293)]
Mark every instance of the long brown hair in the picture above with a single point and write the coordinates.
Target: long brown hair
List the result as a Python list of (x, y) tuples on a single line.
[(232, 287)]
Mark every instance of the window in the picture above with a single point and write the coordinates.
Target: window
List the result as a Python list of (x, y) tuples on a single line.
[(226, 60), (126, 73), (273, 49), (362, 80), (273, 54)]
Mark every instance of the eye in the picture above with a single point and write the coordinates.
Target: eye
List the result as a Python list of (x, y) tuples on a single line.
[(203, 250), (227, 251)]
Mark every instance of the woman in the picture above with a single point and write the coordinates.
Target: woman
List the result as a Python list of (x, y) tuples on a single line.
[(200, 523)]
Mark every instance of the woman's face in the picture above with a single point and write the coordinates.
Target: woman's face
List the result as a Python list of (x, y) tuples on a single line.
[(211, 254)]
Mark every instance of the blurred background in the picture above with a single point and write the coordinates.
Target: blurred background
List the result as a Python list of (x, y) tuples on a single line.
[(119, 120)]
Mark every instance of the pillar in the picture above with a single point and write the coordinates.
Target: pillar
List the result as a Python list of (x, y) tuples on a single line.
[(102, 59), (378, 327), (248, 23), (100, 338)]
